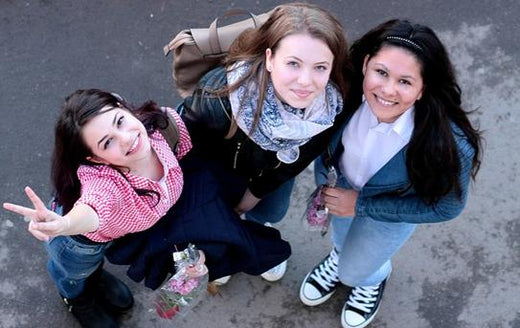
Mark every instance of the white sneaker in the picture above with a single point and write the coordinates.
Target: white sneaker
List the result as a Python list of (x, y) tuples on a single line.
[(276, 273), (321, 282), (222, 281), (362, 305)]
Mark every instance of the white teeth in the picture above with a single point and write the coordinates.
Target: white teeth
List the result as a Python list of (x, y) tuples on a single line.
[(385, 102), (134, 146)]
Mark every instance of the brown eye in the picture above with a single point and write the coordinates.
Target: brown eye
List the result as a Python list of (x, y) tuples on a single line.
[(107, 143), (381, 72)]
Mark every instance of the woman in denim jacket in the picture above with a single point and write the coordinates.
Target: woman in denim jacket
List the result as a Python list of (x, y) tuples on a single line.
[(405, 157)]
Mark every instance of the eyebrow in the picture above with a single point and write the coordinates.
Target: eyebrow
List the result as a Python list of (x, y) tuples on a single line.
[(300, 60), (402, 77), (106, 136)]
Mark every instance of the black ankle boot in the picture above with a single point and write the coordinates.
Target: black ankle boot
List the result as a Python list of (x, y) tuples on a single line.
[(111, 292), (89, 313)]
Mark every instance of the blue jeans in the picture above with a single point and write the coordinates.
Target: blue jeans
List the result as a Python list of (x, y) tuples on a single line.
[(365, 246), (71, 262), (273, 207)]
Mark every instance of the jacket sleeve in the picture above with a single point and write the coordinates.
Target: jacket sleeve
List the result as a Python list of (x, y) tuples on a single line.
[(270, 180), (410, 208), (205, 114)]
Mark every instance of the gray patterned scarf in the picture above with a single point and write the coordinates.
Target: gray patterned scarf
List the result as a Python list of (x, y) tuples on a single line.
[(281, 128)]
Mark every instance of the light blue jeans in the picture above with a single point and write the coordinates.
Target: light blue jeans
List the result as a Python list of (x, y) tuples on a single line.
[(365, 248), (273, 207)]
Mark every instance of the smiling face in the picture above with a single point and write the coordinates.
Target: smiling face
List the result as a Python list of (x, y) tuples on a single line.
[(300, 69), (116, 137), (392, 82)]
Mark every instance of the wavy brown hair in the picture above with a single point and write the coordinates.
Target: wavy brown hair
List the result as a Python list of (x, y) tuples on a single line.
[(284, 20)]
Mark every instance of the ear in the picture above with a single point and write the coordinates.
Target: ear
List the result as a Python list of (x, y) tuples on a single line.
[(365, 62), (420, 93), (268, 59), (97, 160)]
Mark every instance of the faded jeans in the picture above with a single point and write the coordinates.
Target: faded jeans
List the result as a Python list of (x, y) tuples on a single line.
[(365, 246), (273, 207)]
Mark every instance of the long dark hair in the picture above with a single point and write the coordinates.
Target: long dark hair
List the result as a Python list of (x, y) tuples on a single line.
[(285, 20), (70, 150), (432, 160)]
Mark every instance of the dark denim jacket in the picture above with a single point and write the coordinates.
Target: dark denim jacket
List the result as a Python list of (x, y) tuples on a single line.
[(388, 196)]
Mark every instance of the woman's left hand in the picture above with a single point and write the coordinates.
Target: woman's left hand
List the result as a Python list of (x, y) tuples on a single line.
[(247, 202), (340, 201)]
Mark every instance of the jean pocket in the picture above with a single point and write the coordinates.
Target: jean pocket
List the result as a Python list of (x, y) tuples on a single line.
[(73, 257)]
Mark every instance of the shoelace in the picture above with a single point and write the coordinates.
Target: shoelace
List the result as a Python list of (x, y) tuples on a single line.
[(364, 298), (327, 273)]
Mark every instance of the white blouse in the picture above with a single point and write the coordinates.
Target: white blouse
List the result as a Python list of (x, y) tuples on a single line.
[(369, 145)]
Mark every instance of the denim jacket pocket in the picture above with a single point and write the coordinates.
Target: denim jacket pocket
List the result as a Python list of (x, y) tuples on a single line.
[(398, 189)]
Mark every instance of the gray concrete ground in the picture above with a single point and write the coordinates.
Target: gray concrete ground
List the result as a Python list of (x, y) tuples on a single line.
[(463, 273)]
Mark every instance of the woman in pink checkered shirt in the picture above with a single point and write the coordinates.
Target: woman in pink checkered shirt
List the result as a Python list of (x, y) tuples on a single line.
[(114, 174)]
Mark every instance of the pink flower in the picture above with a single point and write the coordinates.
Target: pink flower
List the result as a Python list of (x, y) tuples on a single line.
[(183, 286)]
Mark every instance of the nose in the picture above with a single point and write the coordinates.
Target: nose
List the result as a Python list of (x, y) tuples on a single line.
[(305, 77), (126, 138), (389, 88)]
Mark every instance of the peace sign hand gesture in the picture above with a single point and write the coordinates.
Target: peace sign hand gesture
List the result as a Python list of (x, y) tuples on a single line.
[(44, 223)]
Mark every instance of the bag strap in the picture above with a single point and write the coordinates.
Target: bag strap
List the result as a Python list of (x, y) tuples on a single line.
[(210, 41), (171, 133), (214, 39)]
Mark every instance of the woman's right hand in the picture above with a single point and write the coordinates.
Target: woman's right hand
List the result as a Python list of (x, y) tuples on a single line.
[(339, 201), (198, 269), (44, 223)]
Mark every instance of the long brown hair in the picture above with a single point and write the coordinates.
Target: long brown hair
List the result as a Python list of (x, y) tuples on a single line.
[(288, 19)]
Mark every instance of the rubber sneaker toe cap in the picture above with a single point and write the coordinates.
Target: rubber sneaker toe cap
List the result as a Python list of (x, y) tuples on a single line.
[(351, 319), (275, 273)]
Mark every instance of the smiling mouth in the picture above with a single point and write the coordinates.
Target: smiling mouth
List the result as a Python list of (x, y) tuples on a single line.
[(302, 93), (134, 145), (384, 102)]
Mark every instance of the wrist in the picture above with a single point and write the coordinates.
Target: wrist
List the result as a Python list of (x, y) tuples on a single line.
[(66, 226)]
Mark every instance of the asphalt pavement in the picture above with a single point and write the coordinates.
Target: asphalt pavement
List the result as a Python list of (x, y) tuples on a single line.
[(463, 273)]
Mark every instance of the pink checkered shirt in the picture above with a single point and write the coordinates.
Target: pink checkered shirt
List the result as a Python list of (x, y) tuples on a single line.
[(120, 209)]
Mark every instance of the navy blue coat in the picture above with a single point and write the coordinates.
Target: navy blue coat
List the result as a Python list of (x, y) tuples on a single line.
[(202, 216)]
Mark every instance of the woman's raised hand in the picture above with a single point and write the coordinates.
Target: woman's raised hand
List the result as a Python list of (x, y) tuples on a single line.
[(44, 223)]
